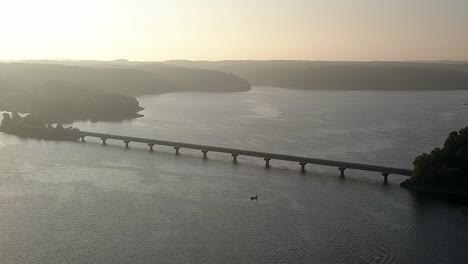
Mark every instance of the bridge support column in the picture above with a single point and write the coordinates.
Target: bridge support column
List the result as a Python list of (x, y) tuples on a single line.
[(267, 163), (342, 172), (151, 147), (83, 139), (385, 174), (126, 143), (104, 141), (177, 150), (205, 156), (234, 157), (303, 164)]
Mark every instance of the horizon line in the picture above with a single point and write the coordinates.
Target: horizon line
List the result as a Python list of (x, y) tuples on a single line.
[(234, 60)]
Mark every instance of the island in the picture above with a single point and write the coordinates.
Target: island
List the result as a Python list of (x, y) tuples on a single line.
[(444, 170), (30, 127)]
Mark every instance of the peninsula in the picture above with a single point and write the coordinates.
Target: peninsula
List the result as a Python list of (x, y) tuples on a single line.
[(444, 170), (64, 93), (30, 127)]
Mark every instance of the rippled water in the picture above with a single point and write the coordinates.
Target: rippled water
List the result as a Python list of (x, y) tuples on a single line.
[(65, 202)]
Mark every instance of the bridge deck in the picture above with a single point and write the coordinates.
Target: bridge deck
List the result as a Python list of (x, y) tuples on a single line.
[(264, 155)]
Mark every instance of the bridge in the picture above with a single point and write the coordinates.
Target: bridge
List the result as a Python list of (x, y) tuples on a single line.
[(235, 153)]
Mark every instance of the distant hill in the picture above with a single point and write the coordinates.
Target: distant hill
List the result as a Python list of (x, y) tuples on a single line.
[(108, 80), (150, 78), (192, 79), (103, 90), (318, 75), (100, 90)]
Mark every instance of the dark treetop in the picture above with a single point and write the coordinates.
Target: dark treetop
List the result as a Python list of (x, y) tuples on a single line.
[(444, 169)]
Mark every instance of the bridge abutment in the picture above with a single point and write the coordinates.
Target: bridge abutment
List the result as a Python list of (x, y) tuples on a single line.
[(127, 142), (177, 150), (234, 157), (104, 141), (267, 163), (205, 152)]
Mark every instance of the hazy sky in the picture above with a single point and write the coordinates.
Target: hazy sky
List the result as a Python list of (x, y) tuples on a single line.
[(234, 29)]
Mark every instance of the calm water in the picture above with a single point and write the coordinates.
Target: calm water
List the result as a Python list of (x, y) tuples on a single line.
[(65, 202)]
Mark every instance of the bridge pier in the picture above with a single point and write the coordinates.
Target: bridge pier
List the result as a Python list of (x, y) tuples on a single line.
[(151, 145), (177, 150), (126, 143), (234, 157), (267, 163), (104, 141), (342, 172), (82, 139), (205, 156), (385, 174), (303, 164)]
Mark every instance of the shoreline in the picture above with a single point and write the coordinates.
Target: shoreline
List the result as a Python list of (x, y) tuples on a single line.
[(128, 114), (436, 190)]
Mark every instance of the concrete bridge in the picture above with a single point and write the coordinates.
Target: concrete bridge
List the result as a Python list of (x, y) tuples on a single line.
[(235, 153)]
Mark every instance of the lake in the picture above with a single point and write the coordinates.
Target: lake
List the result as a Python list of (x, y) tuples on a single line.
[(67, 202)]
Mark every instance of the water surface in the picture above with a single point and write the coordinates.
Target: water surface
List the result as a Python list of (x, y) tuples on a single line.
[(65, 202)]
